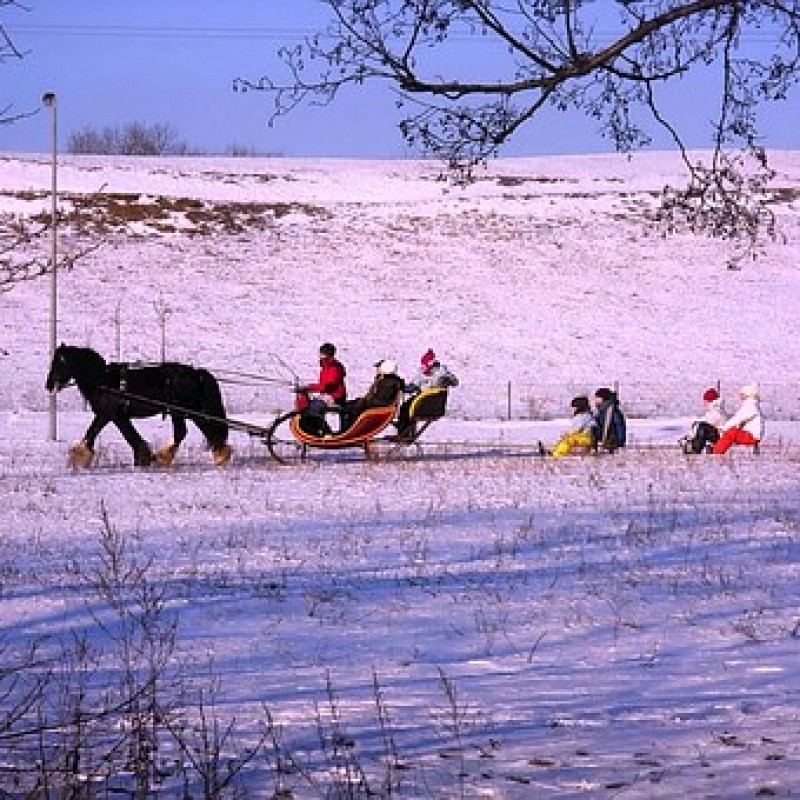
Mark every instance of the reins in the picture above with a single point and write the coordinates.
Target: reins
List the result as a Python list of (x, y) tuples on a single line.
[(237, 378), (247, 378), (190, 413)]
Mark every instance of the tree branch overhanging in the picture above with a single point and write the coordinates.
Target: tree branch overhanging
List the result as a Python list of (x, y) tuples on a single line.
[(17, 261), (608, 60), (10, 52)]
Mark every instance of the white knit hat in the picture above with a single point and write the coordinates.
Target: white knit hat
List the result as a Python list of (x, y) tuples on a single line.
[(387, 366), (749, 390)]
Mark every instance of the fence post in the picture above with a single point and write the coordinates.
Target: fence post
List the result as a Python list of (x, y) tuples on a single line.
[(162, 311), (508, 401)]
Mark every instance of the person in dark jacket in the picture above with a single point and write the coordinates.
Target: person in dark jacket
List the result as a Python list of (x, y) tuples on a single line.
[(610, 432), (385, 390), (705, 431)]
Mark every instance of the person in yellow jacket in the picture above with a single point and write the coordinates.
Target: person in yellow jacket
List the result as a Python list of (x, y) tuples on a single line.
[(577, 439)]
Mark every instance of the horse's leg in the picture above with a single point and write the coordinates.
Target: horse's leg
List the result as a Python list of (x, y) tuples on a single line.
[(81, 453), (166, 454), (221, 451), (142, 455), (217, 437), (212, 424)]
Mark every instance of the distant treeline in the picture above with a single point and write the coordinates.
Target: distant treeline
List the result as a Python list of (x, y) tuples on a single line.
[(138, 139)]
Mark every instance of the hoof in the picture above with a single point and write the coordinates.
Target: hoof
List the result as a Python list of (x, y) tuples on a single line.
[(222, 455), (165, 455), (80, 456)]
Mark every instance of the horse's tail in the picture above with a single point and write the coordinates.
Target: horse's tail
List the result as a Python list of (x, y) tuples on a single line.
[(215, 430)]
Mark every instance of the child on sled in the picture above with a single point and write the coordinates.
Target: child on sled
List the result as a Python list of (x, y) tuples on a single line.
[(705, 431), (746, 426), (580, 435)]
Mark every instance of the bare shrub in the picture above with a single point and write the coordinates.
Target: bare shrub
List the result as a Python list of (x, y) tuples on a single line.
[(133, 139)]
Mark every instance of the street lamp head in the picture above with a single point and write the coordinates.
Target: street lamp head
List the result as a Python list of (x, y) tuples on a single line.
[(49, 98)]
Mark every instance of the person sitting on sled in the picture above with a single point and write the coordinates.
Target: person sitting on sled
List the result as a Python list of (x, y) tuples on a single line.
[(705, 431), (610, 432), (580, 434), (746, 426), (384, 391), (432, 375), (330, 389)]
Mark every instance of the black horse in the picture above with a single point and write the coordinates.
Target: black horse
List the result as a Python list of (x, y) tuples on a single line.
[(119, 392)]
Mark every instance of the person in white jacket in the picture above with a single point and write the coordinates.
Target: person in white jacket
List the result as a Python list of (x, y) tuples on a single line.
[(706, 430), (432, 375), (746, 426)]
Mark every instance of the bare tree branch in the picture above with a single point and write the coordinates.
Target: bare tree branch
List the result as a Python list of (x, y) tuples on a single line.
[(9, 51), (609, 60), (17, 264)]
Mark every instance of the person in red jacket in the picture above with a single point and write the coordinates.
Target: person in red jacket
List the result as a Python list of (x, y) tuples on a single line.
[(330, 390), (330, 386)]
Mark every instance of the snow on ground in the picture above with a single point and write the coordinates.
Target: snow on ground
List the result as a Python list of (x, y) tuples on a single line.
[(478, 622)]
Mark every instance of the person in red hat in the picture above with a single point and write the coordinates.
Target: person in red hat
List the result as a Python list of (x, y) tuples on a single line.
[(432, 375), (706, 430)]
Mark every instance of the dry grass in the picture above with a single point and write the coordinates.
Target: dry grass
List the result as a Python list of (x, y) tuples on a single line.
[(101, 214)]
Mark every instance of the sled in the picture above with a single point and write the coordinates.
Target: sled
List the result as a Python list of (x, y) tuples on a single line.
[(290, 437)]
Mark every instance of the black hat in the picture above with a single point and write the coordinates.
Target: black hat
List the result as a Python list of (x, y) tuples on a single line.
[(580, 403), (327, 349)]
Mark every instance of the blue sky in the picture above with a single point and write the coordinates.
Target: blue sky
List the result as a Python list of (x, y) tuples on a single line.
[(158, 62)]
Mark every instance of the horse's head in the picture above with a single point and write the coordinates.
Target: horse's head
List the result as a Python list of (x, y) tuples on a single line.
[(61, 370), (80, 364)]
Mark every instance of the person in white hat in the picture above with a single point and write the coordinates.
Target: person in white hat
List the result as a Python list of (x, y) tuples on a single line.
[(746, 426), (386, 389)]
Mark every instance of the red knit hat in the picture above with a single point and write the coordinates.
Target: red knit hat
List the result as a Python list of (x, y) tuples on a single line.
[(710, 395), (427, 359)]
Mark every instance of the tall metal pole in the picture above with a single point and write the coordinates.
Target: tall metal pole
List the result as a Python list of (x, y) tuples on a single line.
[(49, 99)]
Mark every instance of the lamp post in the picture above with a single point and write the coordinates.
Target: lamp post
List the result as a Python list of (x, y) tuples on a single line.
[(49, 100)]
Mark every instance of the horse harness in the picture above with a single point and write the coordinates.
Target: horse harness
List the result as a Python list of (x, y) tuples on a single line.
[(122, 387)]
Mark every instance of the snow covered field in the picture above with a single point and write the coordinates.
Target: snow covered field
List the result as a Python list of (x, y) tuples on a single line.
[(475, 623)]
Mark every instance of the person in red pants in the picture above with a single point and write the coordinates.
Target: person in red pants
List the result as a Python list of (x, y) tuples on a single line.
[(746, 426)]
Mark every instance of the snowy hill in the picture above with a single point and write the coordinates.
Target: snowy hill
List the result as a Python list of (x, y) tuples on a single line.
[(546, 273), (478, 622)]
